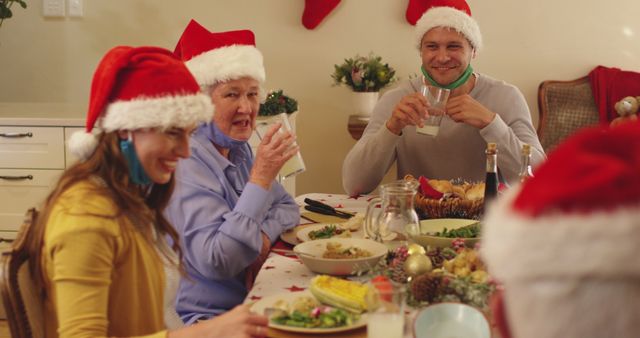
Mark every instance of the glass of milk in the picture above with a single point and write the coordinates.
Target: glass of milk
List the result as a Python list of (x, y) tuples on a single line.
[(294, 165), (385, 306), (437, 98)]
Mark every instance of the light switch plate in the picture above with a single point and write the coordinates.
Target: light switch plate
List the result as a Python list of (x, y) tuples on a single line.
[(75, 8), (53, 8)]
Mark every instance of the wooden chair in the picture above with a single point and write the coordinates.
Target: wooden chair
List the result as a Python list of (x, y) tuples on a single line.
[(565, 107), (22, 302)]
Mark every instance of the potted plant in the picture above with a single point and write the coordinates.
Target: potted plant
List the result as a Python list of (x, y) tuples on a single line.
[(277, 102), (366, 76), (5, 8)]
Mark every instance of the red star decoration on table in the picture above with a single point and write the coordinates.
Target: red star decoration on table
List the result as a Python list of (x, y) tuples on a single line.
[(294, 288), (254, 298), (339, 206)]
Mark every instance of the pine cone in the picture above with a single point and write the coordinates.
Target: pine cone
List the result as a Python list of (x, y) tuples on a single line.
[(395, 263), (436, 257), (426, 287), (398, 274)]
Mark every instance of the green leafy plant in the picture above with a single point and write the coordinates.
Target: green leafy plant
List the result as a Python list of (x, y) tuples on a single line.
[(5, 8), (277, 102), (364, 74)]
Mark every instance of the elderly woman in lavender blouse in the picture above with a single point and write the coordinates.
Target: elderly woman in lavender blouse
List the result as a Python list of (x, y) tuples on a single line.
[(227, 206)]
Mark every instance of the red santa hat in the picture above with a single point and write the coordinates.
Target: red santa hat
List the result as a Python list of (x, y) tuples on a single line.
[(143, 87), (219, 57), (454, 14), (570, 236)]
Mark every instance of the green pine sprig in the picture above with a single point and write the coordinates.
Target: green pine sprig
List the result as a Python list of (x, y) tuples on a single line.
[(276, 103)]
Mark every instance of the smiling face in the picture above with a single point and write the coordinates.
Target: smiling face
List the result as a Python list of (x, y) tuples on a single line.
[(237, 103), (159, 151), (445, 54)]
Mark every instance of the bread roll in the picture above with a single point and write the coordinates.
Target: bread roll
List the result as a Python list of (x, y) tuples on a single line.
[(442, 186), (476, 192), (458, 191)]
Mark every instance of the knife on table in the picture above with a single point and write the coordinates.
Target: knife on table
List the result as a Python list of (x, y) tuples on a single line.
[(325, 209)]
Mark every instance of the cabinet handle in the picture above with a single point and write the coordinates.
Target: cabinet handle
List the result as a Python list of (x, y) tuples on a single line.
[(16, 178), (16, 135), (6, 240)]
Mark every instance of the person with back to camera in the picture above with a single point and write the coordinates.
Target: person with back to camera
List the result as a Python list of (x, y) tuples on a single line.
[(565, 243), (228, 208), (480, 110), (99, 246)]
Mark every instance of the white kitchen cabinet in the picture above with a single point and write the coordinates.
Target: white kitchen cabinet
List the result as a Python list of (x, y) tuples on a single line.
[(32, 156)]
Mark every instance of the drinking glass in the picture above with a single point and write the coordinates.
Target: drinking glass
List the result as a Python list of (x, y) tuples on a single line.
[(437, 98), (295, 164), (385, 307)]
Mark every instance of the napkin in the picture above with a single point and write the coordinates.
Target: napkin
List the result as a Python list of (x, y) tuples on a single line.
[(321, 218)]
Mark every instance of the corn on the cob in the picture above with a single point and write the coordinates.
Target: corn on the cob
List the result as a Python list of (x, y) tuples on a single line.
[(340, 293)]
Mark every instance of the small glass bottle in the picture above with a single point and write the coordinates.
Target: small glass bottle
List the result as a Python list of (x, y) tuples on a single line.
[(491, 180), (525, 168)]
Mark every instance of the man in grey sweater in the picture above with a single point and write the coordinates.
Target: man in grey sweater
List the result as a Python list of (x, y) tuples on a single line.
[(480, 109)]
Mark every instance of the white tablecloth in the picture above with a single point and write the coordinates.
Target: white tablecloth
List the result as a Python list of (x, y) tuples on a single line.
[(286, 273), (282, 274)]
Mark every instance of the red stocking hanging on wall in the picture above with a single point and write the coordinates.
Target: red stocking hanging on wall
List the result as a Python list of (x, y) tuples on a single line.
[(316, 10)]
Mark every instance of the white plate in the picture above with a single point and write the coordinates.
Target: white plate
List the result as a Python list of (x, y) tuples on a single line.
[(303, 234), (291, 236), (259, 306)]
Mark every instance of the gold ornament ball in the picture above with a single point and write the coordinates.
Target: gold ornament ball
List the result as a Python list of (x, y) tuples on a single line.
[(417, 264), (414, 248)]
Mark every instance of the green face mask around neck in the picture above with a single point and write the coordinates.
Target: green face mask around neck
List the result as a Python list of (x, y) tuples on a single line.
[(453, 85)]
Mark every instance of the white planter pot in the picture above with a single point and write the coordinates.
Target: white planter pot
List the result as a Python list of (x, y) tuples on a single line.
[(364, 102)]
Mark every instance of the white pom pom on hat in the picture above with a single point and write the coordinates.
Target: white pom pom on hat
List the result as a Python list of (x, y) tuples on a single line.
[(82, 144)]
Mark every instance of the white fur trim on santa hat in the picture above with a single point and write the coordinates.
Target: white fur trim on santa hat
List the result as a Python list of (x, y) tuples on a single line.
[(163, 112), (227, 63), (82, 144), (560, 245), (452, 18)]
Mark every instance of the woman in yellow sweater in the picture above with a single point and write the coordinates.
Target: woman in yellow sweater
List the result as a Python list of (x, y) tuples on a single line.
[(101, 241)]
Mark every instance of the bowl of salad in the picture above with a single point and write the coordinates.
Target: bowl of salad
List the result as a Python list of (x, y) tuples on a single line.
[(441, 232)]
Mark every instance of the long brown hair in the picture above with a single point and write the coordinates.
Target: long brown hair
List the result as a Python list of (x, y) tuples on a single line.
[(142, 208)]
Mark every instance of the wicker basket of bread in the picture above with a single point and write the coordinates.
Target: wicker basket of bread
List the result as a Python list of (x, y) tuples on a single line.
[(448, 199)]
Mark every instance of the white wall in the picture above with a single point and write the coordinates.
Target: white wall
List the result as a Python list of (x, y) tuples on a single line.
[(526, 42)]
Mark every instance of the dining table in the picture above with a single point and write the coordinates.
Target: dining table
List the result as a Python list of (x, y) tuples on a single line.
[(283, 273)]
